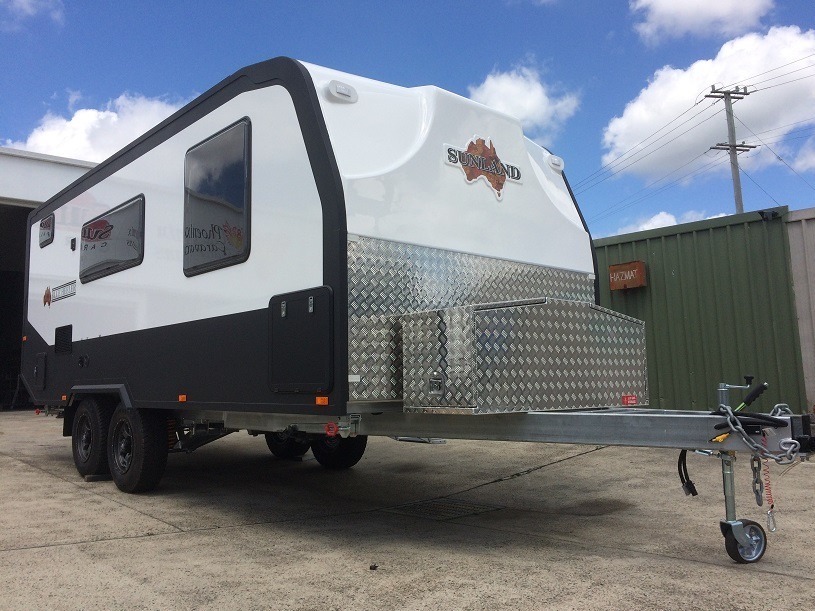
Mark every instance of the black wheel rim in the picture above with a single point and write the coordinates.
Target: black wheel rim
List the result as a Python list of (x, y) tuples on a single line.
[(123, 446), (84, 438)]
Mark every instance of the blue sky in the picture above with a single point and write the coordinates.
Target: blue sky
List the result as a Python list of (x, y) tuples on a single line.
[(615, 83)]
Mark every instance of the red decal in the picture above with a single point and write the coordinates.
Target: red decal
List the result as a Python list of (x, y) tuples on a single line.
[(97, 231), (629, 399)]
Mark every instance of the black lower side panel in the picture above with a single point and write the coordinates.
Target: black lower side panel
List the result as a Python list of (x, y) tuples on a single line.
[(215, 364)]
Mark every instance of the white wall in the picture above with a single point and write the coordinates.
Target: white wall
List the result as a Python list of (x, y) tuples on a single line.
[(801, 229), (28, 179)]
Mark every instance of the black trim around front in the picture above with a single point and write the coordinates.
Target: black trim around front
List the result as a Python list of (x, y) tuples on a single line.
[(165, 346), (591, 241)]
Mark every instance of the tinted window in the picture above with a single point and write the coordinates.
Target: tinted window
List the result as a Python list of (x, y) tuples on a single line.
[(216, 200), (46, 230), (112, 241)]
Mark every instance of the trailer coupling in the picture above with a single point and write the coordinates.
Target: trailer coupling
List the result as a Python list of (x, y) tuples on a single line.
[(746, 540)]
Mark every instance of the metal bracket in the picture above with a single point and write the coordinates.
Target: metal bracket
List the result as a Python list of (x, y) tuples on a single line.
[(737, 528), (348, 426)]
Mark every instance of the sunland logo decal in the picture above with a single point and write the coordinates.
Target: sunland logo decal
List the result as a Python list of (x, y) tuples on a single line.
[(480, 160), (97, 231)]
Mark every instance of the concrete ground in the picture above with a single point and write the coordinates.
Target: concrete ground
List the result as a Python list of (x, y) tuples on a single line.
[(546, 526)]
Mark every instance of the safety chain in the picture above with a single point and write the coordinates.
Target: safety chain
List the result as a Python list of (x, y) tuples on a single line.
[(758, 484), (790, 447)]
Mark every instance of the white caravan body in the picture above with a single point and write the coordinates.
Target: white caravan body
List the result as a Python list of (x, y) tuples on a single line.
[(301, 240)]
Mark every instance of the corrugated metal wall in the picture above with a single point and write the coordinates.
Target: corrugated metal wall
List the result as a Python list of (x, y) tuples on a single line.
[(801, 230), (718, 305)]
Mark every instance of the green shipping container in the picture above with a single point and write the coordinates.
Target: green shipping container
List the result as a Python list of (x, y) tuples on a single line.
[(718, 304)]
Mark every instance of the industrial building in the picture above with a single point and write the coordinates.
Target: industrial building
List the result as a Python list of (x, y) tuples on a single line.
[(721, 299)]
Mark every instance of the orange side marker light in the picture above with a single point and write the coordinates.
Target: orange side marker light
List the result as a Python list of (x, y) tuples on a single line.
[(182, 398), (321, 400)]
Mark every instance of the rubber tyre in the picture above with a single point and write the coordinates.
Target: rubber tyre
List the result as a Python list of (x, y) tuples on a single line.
[(89, 436), (337, 452), (137, 448), (747, 555), (283, 445)]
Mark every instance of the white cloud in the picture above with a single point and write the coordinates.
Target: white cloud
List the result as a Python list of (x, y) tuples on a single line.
[(94, 135), (522, 94), (13, 13), (73, 98), (666, 219), (672, 90), (806, 157), (675, 18)]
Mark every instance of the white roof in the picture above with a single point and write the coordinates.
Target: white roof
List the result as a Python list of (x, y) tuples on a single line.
[(28, 179)]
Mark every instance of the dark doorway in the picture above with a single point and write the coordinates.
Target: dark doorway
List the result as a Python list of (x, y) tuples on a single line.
[(13, 228)]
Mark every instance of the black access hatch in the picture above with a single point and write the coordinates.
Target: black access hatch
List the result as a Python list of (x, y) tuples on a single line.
[(301, 340)]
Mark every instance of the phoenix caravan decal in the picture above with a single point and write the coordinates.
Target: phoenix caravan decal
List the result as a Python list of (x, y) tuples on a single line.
[(480, 160), (234, 235), (213, 239)]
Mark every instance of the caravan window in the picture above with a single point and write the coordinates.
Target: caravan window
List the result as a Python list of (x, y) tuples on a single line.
[(216, 200), (112, 241), (46, 231)]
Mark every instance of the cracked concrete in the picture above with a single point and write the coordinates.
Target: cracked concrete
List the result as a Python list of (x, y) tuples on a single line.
[(231, 527)]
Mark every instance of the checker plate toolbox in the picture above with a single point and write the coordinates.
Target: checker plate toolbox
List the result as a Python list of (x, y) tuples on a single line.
[(527, 356), (450, 332)]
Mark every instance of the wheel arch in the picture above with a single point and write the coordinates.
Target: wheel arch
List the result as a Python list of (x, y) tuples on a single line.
[(111, 393)]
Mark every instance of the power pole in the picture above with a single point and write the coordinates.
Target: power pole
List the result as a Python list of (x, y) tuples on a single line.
[(728, 95)]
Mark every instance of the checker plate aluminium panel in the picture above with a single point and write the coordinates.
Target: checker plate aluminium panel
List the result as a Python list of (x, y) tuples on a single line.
[(389, 279), (535, 356)]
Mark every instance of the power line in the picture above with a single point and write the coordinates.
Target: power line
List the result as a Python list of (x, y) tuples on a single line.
[(782, 75), (777, 156), (632, 159), (807, 133), (635, 161), (663, 188), (613, 161), (774, 129), (650, 185), (627, 159), (614, 208), (617, 160), (795, 80), (759, 186), (795, 61)]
